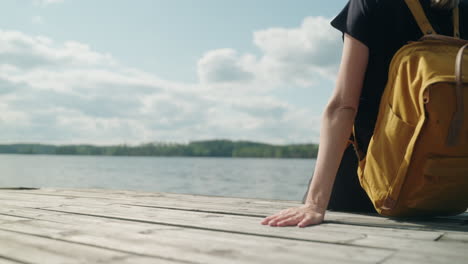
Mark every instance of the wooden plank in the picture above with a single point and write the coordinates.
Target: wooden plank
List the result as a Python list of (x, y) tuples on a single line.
[(174, 199), (383, 232), (145, 260), (195, 242), (122, 260), (200, 245), (34, 200), (193, 200), (203, 221), (434, 224), (253, 207), (8, 213), (9, 261), (180, 198), (458, 237), (337, 226), (236, 224), (319, 232), (404, 237), (10, 218), (422, 248), (326, 231), (46, 201), (407, 257), (345, 232), (43, 250)]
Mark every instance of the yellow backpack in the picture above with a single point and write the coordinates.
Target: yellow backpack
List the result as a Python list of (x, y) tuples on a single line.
[(417, 160)]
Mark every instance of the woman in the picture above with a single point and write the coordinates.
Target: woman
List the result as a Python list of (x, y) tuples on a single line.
[(373, 30)]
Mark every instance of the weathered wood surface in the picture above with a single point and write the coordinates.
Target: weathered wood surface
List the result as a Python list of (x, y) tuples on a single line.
[(108, 226)]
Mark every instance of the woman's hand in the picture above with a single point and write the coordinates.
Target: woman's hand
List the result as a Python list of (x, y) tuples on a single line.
[(301, 216)]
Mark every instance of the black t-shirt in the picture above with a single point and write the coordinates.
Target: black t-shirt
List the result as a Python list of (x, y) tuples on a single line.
[(384, 26)]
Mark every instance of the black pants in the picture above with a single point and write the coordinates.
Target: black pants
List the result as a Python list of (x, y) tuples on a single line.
[(347, 194)]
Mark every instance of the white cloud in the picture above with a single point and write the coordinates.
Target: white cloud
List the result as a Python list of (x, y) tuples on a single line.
[(25, 51), (288, 56), (47, 2), (223, 65), (37, 20), (69, 93)]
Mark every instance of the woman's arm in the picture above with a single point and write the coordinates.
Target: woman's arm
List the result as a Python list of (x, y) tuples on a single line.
[(337, 123)]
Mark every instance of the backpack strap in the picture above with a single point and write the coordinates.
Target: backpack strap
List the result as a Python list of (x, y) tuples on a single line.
[(353, 141), (456, 125), (423, 22), (456, 22), (420, 16)]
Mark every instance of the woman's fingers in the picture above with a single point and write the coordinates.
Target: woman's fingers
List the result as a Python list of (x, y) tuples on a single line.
[(282, 213), (290, 219), (308, 220), (267, 220), (271, 217), (279, 218), (293, 220), (272, 220)]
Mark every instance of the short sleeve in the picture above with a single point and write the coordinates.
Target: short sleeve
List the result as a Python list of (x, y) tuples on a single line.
[(355, 20)]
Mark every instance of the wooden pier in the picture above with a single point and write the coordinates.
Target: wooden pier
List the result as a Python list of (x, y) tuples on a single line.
[(104, 226)]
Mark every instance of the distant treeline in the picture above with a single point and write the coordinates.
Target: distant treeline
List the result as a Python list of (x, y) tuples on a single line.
[(210, 148)]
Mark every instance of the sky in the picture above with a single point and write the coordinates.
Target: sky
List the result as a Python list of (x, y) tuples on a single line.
[(137, 71)]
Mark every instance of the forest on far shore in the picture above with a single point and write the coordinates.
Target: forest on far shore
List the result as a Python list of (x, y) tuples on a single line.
[(207, 148)]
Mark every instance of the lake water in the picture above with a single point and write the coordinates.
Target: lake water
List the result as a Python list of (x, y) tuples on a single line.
[(284, 179)]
